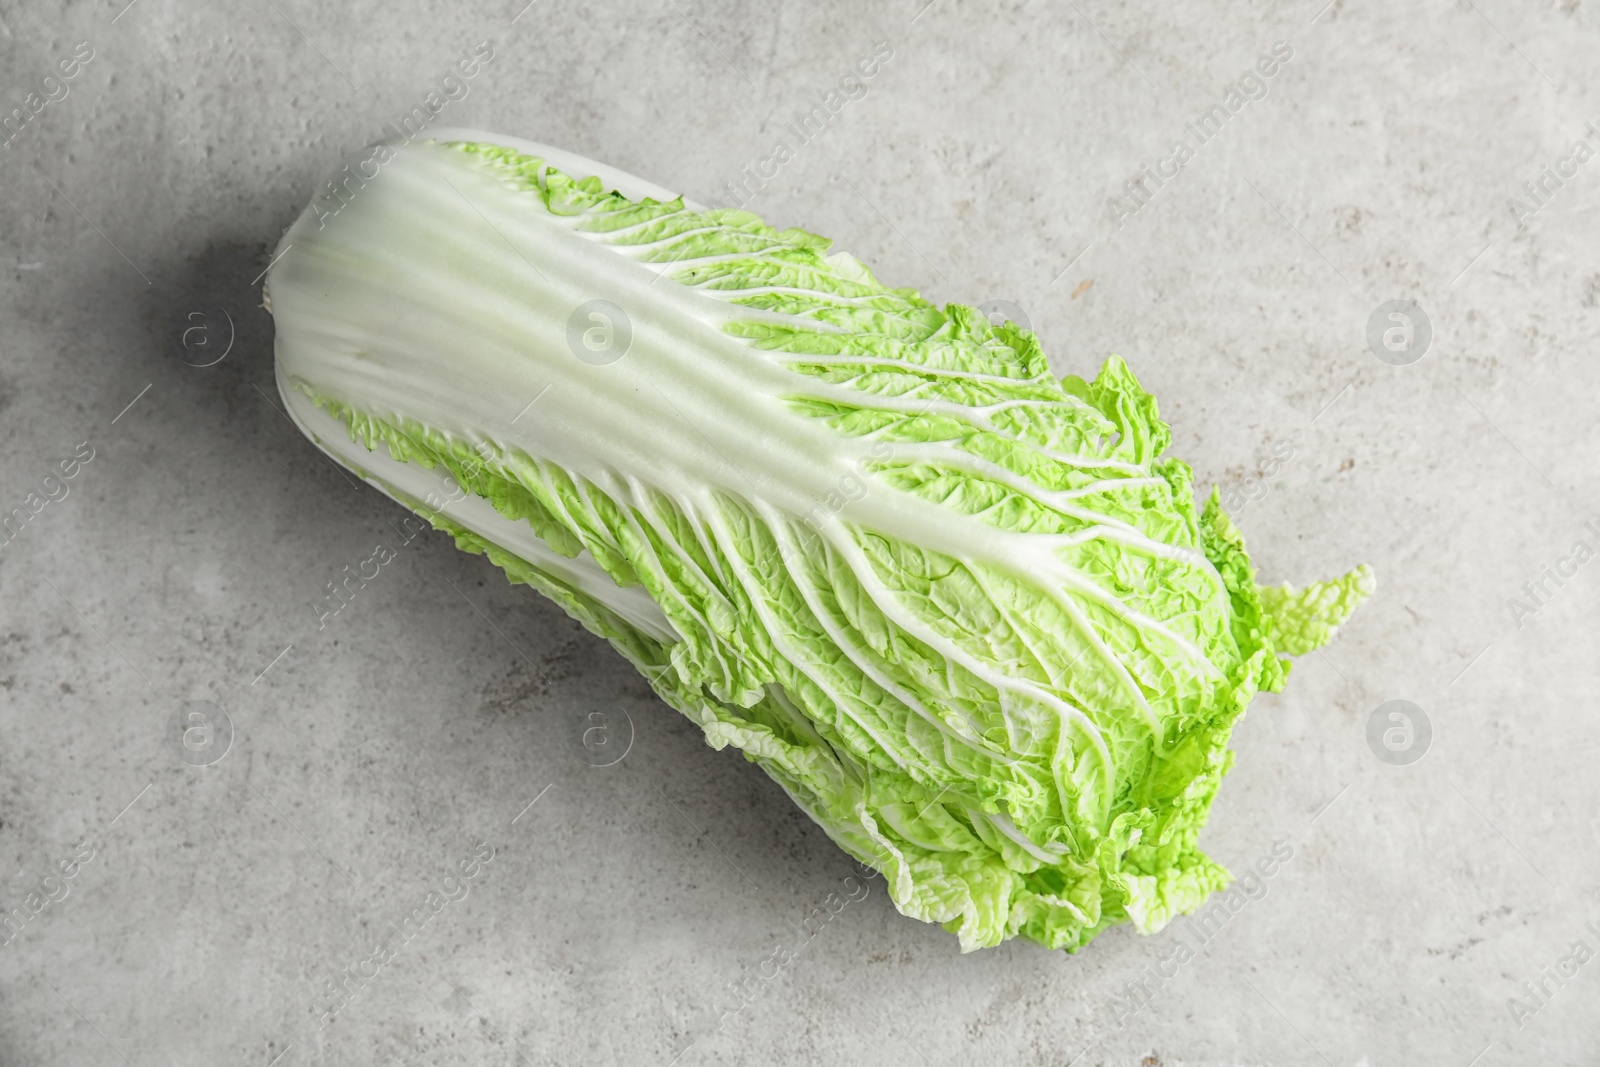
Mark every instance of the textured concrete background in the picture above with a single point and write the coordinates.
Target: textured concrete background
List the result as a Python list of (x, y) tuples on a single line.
[(369, 757)]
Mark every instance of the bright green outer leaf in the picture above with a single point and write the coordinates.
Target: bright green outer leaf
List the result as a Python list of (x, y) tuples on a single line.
[(1305, 619), (965, 613)]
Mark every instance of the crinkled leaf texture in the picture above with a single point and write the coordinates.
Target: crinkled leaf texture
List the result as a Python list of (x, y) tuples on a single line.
[(966, 613)]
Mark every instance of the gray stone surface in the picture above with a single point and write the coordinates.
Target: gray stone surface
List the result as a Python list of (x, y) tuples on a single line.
[(371, 756)]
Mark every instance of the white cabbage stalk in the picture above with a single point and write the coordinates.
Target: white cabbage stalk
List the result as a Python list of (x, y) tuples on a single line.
[(964, 612)]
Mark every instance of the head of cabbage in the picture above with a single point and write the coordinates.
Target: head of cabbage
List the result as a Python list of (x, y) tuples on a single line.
[(965, 612)]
